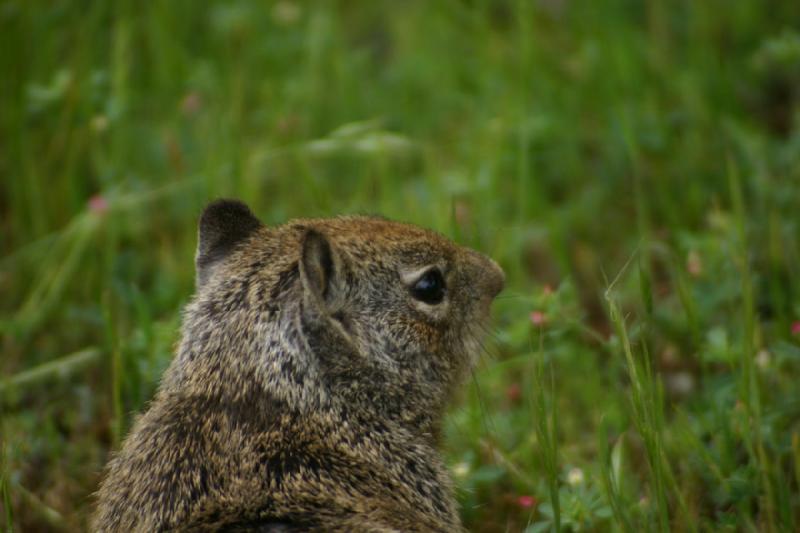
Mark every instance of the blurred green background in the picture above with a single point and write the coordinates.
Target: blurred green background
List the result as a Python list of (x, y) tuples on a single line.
[(633, 165)]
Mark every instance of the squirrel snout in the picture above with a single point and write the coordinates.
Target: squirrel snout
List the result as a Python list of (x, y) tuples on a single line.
[(497, 278), (490, 276)]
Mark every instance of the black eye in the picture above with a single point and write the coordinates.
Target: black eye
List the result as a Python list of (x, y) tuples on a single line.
[(429, 288)]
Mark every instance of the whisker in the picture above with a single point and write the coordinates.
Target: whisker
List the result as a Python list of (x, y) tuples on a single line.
[(506, 296), (489, 331), (485, 417), (479, 339)]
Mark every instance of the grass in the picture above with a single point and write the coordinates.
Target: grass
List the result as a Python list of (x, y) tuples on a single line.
[(655, 144)]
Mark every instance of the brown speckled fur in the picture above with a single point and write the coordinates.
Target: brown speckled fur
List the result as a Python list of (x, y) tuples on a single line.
[(308, 390)]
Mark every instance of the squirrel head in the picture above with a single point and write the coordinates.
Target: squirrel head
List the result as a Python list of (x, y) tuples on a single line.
[(360, 309)]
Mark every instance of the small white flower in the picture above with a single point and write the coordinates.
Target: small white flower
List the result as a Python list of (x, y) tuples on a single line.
[(763, 359), (286, 12), (99, 123), (681, 383), (461, 469), (575, 477)]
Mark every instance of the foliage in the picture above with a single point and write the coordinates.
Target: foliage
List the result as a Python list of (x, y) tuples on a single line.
[(634, 166)]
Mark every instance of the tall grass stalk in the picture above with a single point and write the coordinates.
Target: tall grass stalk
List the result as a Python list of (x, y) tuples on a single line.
[(116, 371), (750, 394), (687, 302), (796, 457), (8, 515), (546, 420), (56, 273), (62, 368), (646, 404), (611, 478), (52, 517)]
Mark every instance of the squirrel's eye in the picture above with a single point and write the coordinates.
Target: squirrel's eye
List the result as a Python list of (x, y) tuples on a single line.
[(430, 287)]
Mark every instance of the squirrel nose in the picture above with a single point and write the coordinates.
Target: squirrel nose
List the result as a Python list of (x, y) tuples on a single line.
[(490, 276), (497, 278)]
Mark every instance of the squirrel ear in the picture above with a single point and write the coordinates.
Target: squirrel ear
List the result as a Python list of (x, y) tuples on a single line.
[(317, 265), (223, 224)]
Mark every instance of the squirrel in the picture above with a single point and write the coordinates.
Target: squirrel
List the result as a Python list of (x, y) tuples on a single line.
[(308, 389)]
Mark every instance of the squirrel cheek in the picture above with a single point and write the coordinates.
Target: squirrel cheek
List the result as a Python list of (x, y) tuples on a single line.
[(427, 336)]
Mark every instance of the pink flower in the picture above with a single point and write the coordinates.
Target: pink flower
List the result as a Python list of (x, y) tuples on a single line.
[(98, 204), (526, 501), (796, 327), (538, 318)]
